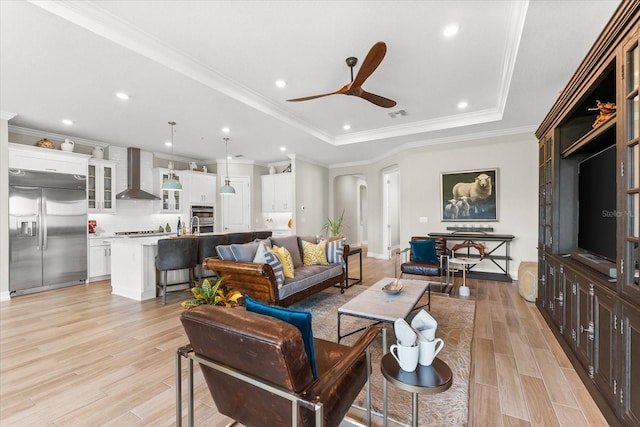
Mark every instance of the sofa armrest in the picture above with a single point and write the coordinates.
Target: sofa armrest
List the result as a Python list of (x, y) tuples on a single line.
[(257, 280)]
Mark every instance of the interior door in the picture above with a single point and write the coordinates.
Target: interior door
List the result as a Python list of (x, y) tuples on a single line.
[(391, 211), (236, 209)]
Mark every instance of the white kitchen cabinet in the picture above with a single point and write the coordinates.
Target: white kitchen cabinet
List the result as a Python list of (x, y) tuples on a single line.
[(43, 159), (101, 180), (99, 259), (277, 193), (200, 188), (170, 201)]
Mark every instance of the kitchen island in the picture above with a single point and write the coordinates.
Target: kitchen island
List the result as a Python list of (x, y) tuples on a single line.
[(133, 270)]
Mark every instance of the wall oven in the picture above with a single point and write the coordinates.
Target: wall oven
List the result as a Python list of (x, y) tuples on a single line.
[(206, 216)]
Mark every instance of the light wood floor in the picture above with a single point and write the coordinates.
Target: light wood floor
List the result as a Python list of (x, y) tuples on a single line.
[(83, 357)]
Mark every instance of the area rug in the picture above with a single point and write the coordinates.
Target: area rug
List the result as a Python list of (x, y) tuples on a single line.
[(455, 326)]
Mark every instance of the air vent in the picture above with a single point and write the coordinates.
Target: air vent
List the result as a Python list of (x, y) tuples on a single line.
[(395, 114)]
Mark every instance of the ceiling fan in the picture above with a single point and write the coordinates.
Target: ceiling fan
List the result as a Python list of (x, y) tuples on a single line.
[(371, 62)]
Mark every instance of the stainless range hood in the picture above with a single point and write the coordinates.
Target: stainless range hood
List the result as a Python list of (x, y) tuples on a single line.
[(133, 191)]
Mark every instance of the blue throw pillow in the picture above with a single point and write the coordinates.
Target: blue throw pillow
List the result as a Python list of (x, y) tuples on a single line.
[(424, 250), (299, 319)]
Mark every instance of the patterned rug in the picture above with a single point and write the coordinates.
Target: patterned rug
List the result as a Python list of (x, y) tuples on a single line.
[(455, 326)]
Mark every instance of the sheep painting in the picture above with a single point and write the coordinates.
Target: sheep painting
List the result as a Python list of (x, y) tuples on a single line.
[(469, 195)]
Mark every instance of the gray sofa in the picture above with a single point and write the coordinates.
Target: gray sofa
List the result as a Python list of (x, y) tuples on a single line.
[(258, 279)]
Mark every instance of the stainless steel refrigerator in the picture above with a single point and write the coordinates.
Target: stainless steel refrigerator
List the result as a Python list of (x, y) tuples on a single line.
[(47, 230)]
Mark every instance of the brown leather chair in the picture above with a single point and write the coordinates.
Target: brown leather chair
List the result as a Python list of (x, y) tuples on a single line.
[(430, 269), (272, 352)]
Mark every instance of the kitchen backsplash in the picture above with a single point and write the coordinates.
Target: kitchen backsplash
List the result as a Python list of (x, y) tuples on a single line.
[(134, 215)]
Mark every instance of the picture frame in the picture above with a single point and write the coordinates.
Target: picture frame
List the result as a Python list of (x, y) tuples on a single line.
[(469, 195)]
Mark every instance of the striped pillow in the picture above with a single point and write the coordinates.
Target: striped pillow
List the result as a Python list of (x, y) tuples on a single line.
[(264, 255), (334, 251)]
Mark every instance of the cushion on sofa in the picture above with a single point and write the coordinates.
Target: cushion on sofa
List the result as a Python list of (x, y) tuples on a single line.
[(313, 254), (285, 258), (298, 318), (244, 252), (307, 276), (291, 243), (265, 255), (224, 253), (334, 250)]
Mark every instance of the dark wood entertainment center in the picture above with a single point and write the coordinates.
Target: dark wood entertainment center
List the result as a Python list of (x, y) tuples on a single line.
[(596, 318)]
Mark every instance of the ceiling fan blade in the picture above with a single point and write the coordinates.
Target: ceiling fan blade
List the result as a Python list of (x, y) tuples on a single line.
[(377, 99), (343, 89), (373, 59)]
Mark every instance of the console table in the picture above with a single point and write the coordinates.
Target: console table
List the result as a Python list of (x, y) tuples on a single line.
[(498, 255)]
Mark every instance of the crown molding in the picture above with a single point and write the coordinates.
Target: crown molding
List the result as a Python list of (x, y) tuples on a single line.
[(523, 130), (56, 136), (7, 115)]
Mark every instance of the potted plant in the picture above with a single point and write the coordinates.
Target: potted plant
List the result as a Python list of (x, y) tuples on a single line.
[(216, 294), (334, 227)]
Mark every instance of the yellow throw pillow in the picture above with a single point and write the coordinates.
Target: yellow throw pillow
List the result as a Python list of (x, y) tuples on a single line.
[(287, 261), (313, 254)]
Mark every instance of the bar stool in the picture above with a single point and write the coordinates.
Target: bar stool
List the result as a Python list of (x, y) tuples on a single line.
[(176, 254), (207, 249), (262, 235), (240, 237)]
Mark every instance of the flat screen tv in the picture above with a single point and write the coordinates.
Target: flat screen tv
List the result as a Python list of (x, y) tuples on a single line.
[(597, 204)]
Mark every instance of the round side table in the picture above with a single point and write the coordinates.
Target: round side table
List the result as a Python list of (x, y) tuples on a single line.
[(464, 262), (425, 379)]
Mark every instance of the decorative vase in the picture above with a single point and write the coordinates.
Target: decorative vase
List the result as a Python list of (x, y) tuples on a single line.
[(272, 170), (98, 153), (67, 145)]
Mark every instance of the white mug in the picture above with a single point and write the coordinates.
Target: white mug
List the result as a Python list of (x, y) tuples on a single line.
[(429, 350), (425, 324), (406, 356)]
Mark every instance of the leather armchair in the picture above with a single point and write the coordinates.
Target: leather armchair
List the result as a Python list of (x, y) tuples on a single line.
[(431, 269), (271, 353)]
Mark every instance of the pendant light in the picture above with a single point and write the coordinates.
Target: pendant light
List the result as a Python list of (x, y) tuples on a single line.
[(172, 184), (227, 189)]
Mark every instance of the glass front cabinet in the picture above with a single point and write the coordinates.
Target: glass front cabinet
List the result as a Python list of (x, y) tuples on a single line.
[(101, 195), (170, 201)]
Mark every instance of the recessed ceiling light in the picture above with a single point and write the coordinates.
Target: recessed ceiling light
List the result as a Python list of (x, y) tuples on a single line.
[(450, 30), (346, 127), (67, 121), (168, 143), (281, 83), (462, 105), (226, 130), (229, 157), (123, 96), (283, 148)]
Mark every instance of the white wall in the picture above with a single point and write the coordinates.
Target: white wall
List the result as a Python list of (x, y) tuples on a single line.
[(516, 158), (311, 192)]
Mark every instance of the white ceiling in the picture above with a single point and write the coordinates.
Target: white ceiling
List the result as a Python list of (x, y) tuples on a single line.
[(211, 64)]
